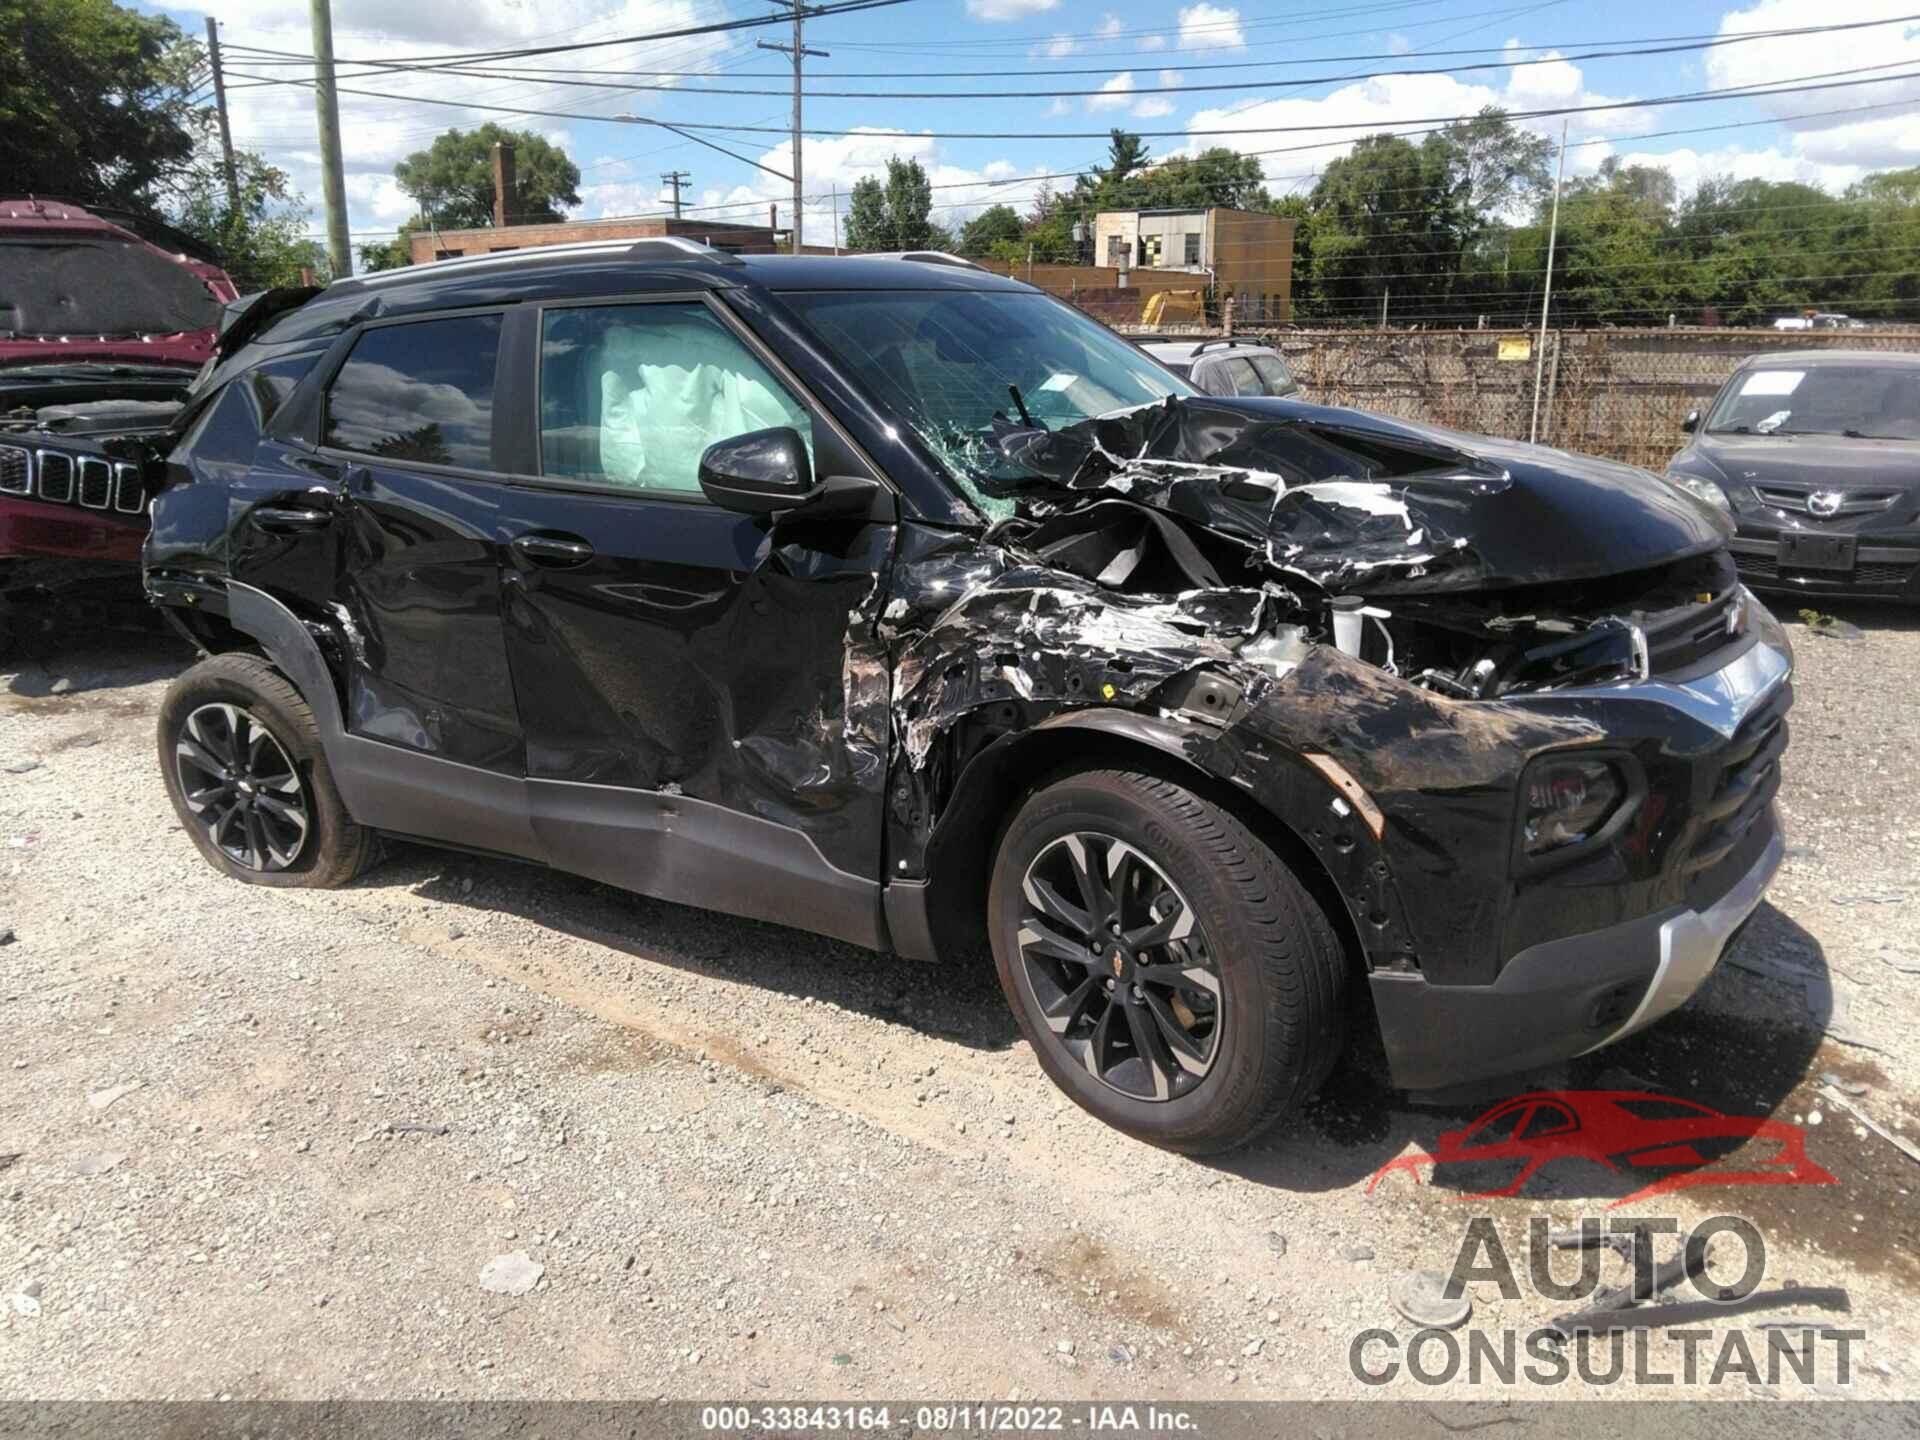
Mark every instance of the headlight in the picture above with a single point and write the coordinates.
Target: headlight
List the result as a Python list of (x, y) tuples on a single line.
[(1567, 801), (1700, 488)]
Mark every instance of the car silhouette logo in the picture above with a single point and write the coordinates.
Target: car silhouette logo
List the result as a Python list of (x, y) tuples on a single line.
[(1824, 502), (1623, 1131)]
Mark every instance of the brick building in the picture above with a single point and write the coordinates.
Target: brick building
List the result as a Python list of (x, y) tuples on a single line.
[(1247, 254)]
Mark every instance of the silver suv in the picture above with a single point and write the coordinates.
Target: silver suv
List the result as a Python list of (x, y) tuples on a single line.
[(1225, 367)]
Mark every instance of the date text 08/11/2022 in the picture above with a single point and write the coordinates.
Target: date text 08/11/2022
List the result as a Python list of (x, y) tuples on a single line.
[(965, 1417)]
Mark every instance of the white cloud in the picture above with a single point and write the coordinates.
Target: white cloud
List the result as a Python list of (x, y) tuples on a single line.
[(1689, 167), (1210, 27), (1391, 102), (1172, 77), (1154, 107), (1008, 9), (1111, 25), (1153, 42), (278, 120), (1116, 94), (1399, 44), (1057, 48), (1888, 134), (1059, 107)]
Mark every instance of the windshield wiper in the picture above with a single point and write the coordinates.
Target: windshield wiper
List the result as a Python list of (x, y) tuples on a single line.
[(1021, 406)]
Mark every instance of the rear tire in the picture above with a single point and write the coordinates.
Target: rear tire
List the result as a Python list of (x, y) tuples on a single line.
[(248, 778), (1219, 1025)]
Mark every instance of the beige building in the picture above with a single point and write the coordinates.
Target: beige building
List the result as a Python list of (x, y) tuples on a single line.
[(1247, 254)]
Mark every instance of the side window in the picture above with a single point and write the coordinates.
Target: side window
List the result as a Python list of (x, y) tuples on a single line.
[(1214, 378), (422, 391), (274, 381), (1274, 375), (634, 394), (222, 440), (1236, 377)]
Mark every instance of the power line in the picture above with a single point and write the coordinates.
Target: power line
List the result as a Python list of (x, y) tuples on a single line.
[(1636, 52), (1745, 92), (838, 7)]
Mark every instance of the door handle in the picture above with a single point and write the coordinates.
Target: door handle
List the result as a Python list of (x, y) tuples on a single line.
[(287, 519), (553, 549)]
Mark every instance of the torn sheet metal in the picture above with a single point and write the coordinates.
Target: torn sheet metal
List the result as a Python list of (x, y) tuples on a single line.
[(1365, 504)]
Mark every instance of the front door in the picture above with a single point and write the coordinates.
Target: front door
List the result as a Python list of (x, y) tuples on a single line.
[(704, 704)]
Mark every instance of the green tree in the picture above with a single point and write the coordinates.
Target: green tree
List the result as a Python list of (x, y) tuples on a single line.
[(93, 102), (995, 231), (1213, 177), (452, 180), (392, 254), (1882, 245), (1506, 169), (262, 242), (1390, 218), (894, 214)]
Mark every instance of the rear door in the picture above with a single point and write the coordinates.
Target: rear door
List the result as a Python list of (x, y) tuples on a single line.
[(704, 700)]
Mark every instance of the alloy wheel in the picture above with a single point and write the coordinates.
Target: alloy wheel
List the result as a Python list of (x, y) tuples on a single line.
[(242, 787), (1119, 967)]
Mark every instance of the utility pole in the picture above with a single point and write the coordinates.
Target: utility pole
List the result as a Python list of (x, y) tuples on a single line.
[(1546, 295), (836, 218), (675, 178), (220, 108), (799, 52), (326, 105), (1385, 295)]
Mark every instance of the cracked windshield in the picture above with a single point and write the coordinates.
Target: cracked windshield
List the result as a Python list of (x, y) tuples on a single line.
[(965, 368)]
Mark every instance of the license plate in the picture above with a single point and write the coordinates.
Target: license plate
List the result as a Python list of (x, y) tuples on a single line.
[(1817, 552)]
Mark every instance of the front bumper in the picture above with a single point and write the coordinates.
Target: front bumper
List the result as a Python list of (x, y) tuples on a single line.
[(1886, 567), (1566, 997)]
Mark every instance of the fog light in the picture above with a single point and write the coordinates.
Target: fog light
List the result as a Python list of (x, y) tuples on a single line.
[(1567, 801)]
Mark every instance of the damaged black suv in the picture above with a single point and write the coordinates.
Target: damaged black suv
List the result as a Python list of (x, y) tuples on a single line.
[(900, 602)]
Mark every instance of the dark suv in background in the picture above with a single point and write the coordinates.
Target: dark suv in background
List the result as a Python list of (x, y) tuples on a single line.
[(900, 602)]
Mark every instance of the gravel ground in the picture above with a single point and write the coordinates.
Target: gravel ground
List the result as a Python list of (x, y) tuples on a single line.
[(472, 1129)]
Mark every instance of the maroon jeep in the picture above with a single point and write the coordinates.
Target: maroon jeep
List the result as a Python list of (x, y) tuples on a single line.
[(101, 333)]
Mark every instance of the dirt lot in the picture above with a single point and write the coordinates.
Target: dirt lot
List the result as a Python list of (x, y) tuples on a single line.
[(271, 1144)]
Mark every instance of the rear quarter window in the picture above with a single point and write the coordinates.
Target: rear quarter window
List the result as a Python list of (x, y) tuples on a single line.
[(420, 391)]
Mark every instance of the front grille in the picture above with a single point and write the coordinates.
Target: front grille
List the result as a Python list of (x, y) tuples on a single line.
[(1879, 574), (1748, 775), (1852, 502), (96, 483), (129, 491), (56, 477), (16, 470), (1682, 637)]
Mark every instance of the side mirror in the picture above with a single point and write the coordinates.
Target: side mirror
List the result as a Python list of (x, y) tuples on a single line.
[(1692, 422), (766, 472), (760, 473)]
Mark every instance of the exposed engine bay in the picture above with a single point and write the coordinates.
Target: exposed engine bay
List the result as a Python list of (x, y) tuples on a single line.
[(1431, 561)]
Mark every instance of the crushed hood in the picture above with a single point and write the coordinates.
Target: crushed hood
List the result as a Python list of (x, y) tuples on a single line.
[(1357, 503)]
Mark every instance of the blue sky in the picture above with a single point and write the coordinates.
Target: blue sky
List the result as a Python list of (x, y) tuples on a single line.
[(1132, 54)]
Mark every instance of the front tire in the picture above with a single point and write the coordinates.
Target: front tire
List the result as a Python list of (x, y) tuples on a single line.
[(248, 778), (1171, 973)]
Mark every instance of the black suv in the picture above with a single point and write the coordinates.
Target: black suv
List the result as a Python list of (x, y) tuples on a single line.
[(900, 602)]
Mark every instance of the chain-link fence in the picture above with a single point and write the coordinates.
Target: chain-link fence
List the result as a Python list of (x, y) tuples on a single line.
[(1619, 393)]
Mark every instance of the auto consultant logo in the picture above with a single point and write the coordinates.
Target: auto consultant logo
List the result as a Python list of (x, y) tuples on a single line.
[(1677, 1144)]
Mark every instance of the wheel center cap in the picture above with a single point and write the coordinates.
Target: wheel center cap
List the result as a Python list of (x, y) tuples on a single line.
[(245, 787), (1118, 960)]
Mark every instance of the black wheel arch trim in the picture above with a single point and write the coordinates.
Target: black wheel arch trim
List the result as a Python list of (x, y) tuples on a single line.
[(1272, 800)]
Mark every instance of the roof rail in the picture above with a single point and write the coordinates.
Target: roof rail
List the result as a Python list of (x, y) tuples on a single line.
[(680, 247), (928, 257), (1208, 344)]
